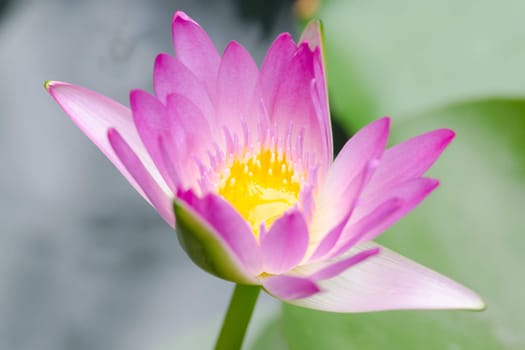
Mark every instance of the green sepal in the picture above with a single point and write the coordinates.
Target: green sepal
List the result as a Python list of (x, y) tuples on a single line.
[(204, 248)]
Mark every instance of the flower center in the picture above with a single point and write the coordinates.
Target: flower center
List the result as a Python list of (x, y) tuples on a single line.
[(261, 187)]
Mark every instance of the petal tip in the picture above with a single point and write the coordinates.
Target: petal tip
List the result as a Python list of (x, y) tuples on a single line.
[(48, 84), (181, 15), (51, 85), (449, 135), (135, 94), (433, 184), (446, 136), (140, 100), (112, 133), (386, 120), (284, 36), (480, 305), (232, 45), (473, 302), (382, 125), (161, 59), (313, 34)]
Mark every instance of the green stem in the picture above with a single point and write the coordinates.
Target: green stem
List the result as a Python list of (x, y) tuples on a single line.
[(237, 317)]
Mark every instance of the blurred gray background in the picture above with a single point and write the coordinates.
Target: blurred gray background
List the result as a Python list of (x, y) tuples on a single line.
[(85, 263)]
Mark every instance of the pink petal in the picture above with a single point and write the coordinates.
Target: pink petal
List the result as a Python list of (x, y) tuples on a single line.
[(156, 196), (284, 246), (411, 193), (173, 77), (236, 88), (352, 234), (409, 160), (335, 268), (290, 287), (191, 137), (338, 205), (329, 240), (173, 126), (195, 50), (312, 35), (367, 144), (389, 281), (151, 120), (274, 66), (94, 114), (171, 168), (207, 248), (322, 113), (293, 105), (228, 225), (346, 171)]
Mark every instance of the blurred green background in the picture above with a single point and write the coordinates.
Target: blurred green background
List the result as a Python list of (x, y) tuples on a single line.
[(86, 264)]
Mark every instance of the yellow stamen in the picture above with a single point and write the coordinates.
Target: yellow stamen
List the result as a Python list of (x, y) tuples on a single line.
[(261, 187)]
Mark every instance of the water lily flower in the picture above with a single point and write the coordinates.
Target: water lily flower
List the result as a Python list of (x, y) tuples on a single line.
[(239, 159)]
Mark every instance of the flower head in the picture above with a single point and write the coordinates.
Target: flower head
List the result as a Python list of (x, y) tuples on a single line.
[(239, 160)]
